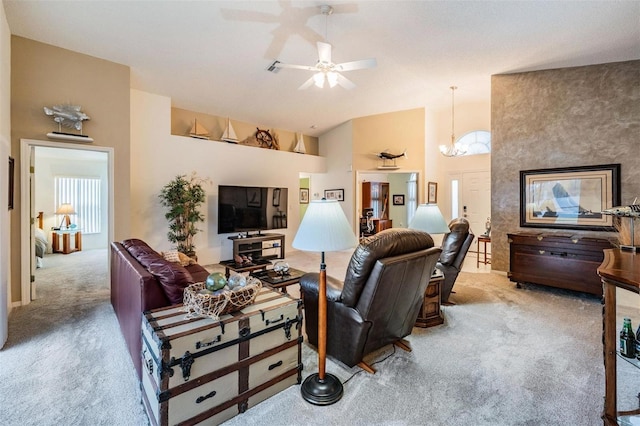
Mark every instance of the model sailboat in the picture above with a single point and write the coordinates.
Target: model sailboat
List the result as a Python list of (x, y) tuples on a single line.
[(299, 148), (229, 134), (199, 131)]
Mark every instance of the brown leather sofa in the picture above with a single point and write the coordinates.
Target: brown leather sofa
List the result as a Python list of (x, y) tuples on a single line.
[(141, 280), (455, 246), (380, 298)]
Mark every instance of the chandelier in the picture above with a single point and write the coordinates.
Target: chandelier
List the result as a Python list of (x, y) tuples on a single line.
[(454, 149)]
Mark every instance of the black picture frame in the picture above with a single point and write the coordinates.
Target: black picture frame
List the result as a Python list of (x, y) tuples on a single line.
[(304, 195), (276, 197), (11, 181), (432, 192), (569, 197), (398, 199), (334, 194)]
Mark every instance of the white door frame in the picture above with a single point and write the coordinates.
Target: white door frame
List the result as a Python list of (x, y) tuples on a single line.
[(358, 190), (25, 204)]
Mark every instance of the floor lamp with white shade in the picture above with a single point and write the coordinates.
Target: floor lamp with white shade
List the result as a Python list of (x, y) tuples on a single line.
[(324, 227)]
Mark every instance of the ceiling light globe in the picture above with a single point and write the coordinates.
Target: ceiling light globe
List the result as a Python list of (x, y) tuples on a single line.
[(332, 78), (318, 78)]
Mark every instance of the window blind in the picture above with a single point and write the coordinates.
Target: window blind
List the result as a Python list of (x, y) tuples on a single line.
[(84, 195)]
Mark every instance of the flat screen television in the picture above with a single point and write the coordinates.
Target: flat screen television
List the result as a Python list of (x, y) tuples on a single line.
[(245, 209)]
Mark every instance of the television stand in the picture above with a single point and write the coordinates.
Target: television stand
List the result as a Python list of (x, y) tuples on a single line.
[(254, 246)]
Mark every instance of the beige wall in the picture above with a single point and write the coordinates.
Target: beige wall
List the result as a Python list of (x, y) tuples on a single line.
[(44, 75), (182, 121), (157, 156), (560, 118), (394, 131), (5, 151), (353, 146), (337, 147)]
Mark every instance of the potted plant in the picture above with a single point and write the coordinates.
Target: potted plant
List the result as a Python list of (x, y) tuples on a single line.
[(183, 197)]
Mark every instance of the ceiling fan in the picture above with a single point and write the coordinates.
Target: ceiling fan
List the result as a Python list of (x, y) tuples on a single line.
[(325, 69)]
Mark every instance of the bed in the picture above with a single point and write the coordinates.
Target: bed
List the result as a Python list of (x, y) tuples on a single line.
[(41, 242)]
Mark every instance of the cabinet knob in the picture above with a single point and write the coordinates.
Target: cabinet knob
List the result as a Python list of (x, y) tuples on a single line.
[(540, 237), (541, 251)]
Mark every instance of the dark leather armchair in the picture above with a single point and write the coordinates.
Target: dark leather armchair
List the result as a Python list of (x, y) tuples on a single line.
[(380, 298), (455, 246)]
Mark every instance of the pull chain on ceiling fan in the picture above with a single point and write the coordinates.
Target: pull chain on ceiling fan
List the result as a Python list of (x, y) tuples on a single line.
[(325, 69)]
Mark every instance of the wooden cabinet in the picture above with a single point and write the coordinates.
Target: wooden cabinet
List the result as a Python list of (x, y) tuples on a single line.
[(620, 273), (375, 195), (557, 260)]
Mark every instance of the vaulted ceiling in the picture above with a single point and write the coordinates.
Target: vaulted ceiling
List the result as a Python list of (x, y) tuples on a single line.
[(212, 56)]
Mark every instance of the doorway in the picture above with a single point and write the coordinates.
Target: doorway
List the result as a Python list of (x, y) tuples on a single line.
[(69, 157), (399, 182), (471, 198)]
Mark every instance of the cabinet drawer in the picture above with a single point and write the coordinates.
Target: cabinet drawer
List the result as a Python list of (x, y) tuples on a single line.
[(564, 261), (556, 271)]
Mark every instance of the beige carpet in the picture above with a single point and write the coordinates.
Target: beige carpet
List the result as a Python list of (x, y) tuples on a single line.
[(504, 356)]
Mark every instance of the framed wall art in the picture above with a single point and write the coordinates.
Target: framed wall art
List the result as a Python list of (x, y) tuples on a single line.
[(398, 200), (254, 198), (334, 194), (304, 195), (569, 197), (276, 197), (432, 193)]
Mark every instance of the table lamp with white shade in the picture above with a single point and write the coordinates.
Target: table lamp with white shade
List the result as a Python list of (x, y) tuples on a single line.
[(65, 209), (428, 218), (324, 227)]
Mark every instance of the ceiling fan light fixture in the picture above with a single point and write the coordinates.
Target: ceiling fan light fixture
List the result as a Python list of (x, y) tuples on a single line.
[(318, 79), (332, 78), (325, 68)]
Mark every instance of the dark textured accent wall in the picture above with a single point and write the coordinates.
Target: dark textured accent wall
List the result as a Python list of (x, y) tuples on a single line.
[(560, 118)]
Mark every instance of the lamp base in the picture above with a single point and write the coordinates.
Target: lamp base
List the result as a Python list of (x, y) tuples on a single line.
[(321, 392)]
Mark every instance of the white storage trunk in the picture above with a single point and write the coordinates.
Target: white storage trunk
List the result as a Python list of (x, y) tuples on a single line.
[(200, 371)]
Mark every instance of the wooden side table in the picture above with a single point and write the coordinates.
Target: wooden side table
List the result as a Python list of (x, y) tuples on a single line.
[(487, 256), (620, 274), (66, 240), (231, 265), (430, 312), (277, 281)]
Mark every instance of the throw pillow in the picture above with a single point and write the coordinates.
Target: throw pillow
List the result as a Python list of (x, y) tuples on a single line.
[(185, 260), (171, 256), (173, 278), (177, 257)]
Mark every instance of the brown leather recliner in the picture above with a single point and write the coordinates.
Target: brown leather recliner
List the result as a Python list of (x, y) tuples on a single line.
[(380, 298), (455, 246)]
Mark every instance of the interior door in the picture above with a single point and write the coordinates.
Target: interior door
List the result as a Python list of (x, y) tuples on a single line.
[(476, 199), (32, 216)]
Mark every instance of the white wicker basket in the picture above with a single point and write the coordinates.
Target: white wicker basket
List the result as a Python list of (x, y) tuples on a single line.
[(212, 306)]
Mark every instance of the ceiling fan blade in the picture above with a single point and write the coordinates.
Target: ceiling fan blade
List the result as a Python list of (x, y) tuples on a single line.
[(345, 82), (356, 65), (324, 52), (297, 67), (306, 84)]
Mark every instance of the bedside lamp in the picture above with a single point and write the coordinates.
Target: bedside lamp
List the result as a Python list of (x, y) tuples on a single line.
[(428, 218), (324, 227), (66, 209)]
